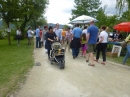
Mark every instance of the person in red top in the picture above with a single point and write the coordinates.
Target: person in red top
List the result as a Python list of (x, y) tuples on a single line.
[(41, 37)]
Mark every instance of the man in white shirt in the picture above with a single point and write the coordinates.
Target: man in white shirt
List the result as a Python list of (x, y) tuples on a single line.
[(58, 32)]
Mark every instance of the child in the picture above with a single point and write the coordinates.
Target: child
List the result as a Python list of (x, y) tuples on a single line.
[(83, 44)]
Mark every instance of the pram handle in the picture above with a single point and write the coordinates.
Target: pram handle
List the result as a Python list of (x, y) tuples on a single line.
[(55, 41)]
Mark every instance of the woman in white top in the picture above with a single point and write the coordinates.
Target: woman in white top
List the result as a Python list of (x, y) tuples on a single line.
[(102, 45), (85, 30), (18, 33)]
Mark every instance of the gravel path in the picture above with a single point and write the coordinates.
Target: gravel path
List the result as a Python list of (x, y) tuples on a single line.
[(76, 80)]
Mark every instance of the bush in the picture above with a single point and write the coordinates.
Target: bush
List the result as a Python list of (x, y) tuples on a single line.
[(2, 34)]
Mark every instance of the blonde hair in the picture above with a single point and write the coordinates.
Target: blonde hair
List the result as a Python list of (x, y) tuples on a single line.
[(107, 29)]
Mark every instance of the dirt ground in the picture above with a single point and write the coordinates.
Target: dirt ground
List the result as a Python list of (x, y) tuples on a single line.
[(76, 80)]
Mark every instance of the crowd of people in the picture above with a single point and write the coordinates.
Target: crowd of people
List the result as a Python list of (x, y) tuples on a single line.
[(89, 40)]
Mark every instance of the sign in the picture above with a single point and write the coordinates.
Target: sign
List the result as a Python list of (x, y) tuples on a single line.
[(116, 49), (8, 30)]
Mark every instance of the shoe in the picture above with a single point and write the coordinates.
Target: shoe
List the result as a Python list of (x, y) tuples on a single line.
[(87, 60), (81, 55), (73, 57), (96, 60), (91, 64), (103, 63)]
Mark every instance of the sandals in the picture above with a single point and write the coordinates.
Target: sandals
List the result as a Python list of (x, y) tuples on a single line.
[(103, 63), (96, 60), (87, 60), (91, 64)]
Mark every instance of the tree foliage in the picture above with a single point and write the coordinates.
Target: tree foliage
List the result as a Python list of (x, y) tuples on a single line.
[(105, 19), (85, 7), (120, 4), (101, 17), (21, 10), (33, 11), (125, 16), (34, 23)]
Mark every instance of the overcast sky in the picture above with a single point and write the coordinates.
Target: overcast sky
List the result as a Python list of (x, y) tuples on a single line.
[(59, 11)]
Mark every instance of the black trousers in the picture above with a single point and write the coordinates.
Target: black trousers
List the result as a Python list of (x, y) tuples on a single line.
[(101, 47), (48, 50)]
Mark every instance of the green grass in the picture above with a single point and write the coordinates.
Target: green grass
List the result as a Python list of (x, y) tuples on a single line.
[(15, 61), (118, 60)]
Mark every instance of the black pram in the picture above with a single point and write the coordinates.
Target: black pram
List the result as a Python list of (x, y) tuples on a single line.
[(57, 54)]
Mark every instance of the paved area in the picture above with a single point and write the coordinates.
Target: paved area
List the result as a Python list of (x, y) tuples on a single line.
[(76, 80)]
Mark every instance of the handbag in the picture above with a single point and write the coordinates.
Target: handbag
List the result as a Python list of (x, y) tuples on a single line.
[(71, 44), (18, 36), (124, 44)]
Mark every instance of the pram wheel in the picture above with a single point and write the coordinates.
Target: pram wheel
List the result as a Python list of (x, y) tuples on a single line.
[(61, 65), (51, 62)]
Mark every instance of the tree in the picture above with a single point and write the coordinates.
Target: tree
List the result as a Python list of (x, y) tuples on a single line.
[(36, 22), (9, 12), (125, 16), (104, 19), (85, 7), (101, 17), (120, 4), (22, 11), (32, 11)]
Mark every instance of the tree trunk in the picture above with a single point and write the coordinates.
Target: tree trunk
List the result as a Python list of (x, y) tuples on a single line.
[(8, 31), (23, 25)]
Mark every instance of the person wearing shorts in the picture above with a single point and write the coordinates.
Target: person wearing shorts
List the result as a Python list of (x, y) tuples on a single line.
[(92, 34)]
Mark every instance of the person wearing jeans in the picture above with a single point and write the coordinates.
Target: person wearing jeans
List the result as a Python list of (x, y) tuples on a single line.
[(76, 34), (128, 50), (38, 39)]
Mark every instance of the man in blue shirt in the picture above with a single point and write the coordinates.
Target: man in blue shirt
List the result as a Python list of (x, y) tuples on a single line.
[(38, 39), (75, 45), (92, 34)]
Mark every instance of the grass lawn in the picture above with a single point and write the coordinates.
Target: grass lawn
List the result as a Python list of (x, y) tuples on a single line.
[(15, 61), (119, 60)]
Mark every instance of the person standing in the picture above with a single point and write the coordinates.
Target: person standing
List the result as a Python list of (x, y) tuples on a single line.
[(29, 32), (41, 32), (83, 44), (85, 30), (63, 35), (44, 36), (127, 55), (50, 37), (75, 43), (102, 45), (18, 36), (58, 32), (68, 39), (38, 39), (92, 34)]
